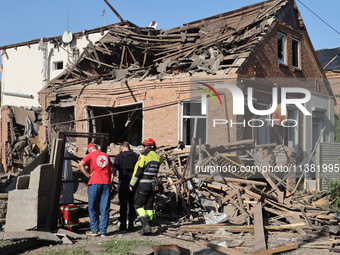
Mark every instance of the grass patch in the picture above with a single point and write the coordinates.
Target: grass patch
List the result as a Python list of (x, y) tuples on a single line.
[(122, 246), (73, 251), (117, 247)]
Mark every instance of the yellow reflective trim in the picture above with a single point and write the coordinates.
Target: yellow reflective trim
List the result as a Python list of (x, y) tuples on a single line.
[(141, 212), (150, 214)]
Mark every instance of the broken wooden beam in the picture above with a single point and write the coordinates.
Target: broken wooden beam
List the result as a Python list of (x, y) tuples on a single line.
[(243, 181), (260, 238)]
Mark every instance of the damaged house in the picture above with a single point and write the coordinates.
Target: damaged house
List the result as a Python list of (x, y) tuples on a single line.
[(137, 82)]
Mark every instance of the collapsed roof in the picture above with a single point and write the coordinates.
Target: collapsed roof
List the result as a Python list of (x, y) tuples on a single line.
[(221, 42)]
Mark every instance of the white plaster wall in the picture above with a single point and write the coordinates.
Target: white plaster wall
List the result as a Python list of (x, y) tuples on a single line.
[(22, 74), (23, 69)]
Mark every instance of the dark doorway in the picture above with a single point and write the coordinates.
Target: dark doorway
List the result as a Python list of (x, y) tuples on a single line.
[(124, 123)]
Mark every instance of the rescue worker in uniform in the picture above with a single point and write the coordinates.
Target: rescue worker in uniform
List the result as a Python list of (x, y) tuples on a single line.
[(125, 162), (146, 170)]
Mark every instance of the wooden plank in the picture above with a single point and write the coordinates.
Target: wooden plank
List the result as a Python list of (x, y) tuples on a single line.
[(53, 206), (268, 179), (295, 218), (307, 219), (99, 62), (251, 182), (260, 238), (94, 52), (262, 193), (122, 57), (276, 250), (240, 201), (231, 195), (132, 56), (217, 187)]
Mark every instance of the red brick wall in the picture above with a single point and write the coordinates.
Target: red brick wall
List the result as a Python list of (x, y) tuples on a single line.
[(263, 62), (161, 123)]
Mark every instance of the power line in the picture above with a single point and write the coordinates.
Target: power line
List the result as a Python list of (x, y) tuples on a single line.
[(319, 17), (149, 108)]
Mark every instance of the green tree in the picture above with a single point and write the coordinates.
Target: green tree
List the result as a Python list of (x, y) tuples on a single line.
[(337, 129)]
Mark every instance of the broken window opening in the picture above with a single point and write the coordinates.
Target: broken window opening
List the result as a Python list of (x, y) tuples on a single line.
[(194, 123), (59, 65), (124, 123), (63, 114), (281, 49), (296, 52)]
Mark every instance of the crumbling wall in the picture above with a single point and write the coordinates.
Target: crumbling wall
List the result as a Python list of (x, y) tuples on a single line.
[(19, 136)]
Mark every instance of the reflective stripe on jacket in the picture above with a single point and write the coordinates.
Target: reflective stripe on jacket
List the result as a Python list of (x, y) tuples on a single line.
[(146, 167)]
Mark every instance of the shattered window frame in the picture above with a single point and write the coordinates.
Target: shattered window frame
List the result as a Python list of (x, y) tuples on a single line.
[(197, 117), (296, 53), (282, 48)]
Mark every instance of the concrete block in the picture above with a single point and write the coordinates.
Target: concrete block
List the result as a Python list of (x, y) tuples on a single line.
[(27, 208), (41, 177), (22, 210), (18, 235)]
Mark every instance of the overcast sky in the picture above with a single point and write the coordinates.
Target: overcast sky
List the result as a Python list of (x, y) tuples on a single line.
[(23, 20)]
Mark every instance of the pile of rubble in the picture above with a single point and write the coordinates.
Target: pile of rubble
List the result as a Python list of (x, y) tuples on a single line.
[(234, 211), (20, 143), (248, 211)]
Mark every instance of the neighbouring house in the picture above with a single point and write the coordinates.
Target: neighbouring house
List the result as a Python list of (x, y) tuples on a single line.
[(139, 82), (330, 62), (28, 66)]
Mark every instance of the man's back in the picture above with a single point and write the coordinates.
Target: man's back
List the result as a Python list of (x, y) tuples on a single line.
[(125, 163), (100, 167)]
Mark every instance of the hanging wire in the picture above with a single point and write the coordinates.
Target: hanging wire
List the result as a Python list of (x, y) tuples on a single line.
[(319, 17)]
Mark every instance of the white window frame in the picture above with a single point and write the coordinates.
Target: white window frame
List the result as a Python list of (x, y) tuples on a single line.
[(182, 116), (298, 53), (55, 65), (282, 36), (291, 132), (266, 126)]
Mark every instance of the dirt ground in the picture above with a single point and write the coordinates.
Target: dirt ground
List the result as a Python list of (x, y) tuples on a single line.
[(113, 234)]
